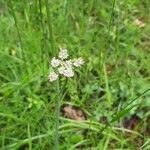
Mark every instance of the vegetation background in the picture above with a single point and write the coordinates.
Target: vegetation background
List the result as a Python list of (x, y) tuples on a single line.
[(111, 91)]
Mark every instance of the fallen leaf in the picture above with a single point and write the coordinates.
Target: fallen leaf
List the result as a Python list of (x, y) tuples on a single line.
[(73, 113), (139, 23)]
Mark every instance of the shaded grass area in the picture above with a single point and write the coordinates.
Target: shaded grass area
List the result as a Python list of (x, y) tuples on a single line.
[(116, 51)]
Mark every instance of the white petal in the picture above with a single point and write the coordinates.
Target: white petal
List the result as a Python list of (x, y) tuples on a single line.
[(55, 62), (63, 54), (52, 76)]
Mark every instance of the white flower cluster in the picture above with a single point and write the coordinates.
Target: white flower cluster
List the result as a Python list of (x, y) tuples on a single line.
[(63, 66)]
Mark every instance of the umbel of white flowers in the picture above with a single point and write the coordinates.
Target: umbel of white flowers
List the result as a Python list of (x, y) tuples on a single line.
[(63, 66)]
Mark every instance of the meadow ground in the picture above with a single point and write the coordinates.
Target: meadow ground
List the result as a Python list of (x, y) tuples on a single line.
[(105, 106)]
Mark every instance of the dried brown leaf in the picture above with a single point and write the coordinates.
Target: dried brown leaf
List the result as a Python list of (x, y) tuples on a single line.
[(73, 113), (139, 23)]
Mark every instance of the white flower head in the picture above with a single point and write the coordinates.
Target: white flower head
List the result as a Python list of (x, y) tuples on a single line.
[(77, 62), (52, 76), (63, 54), (61, 70), (55, 62), (68, 63), (64, 66), (68, 72)]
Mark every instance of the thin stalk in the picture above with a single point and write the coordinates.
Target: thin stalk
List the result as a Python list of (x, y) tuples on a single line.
[(29, 136), (102, 53), (65, 20), (36, 6), (29, 8), (43, 32), (19, 35), (62, 91), (100, 63), (50, 28), (58, 101), (108, 94), (109, 28), (91, 6), (41, 16), (117, 42), (111, 17), (56, 142)]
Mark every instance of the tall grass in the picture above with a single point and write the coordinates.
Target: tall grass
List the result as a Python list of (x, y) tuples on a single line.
[(50, 26), (19, 35), (43, 32)]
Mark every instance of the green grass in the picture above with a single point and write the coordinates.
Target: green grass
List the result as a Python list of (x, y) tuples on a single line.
[(108, 88)]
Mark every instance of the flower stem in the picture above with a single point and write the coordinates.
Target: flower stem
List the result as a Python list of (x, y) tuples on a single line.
[(56, 144)]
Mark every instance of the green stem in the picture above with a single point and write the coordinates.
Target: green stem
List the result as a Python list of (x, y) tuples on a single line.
[(111, 17), (117, 42), (108, 93), (43, 32), (29, 135), (102, 53), (19, 35), (103, 58), (56, 144), (50, 28)]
